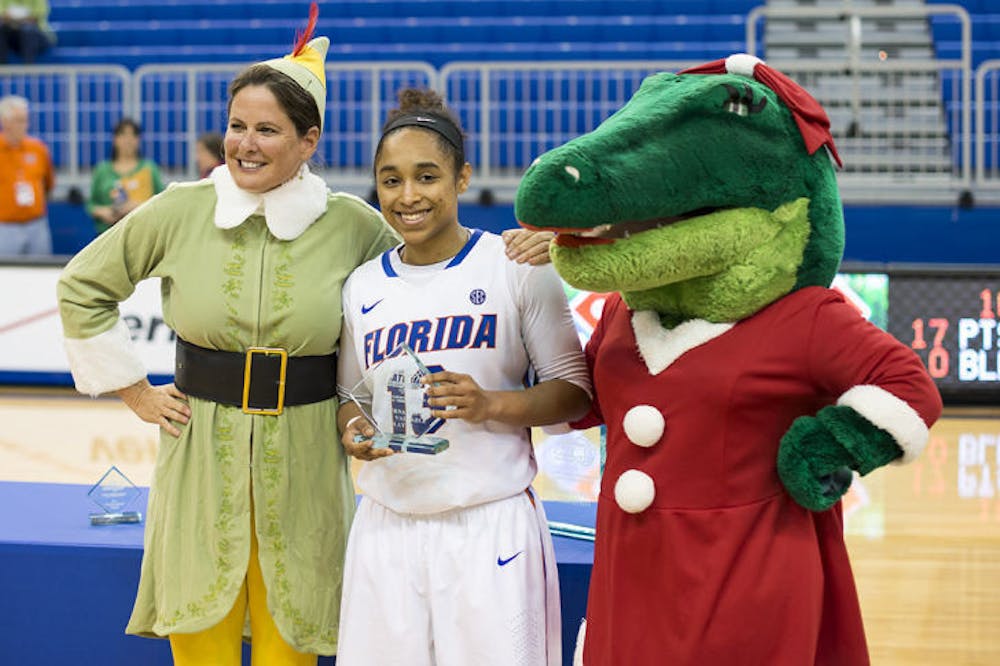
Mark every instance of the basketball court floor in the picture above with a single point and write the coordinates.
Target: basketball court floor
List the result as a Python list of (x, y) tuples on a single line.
[(924, 538)]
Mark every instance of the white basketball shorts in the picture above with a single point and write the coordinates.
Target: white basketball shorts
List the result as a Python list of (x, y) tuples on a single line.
[(469, 587)]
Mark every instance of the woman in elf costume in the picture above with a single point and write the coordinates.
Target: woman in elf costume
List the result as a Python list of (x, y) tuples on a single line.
[(251, 497)]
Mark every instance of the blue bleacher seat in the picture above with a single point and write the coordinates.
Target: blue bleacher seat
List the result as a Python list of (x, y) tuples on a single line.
[(731, 6), (217, 31)]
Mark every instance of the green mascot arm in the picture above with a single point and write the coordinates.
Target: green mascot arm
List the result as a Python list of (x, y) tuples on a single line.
[(817, 454)]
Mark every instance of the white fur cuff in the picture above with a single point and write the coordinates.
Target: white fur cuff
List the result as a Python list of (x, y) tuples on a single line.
[(106, 362), (892, 415), (580, 636)]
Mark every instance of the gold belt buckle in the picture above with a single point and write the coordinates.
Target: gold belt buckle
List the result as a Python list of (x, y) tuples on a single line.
[(266, 351)]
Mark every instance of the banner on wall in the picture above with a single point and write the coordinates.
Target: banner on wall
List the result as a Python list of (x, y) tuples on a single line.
[(949, 319), (31, 348), (31, 344)]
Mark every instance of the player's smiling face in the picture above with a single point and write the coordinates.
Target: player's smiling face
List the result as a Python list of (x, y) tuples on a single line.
[(263, 149), (418, 193)]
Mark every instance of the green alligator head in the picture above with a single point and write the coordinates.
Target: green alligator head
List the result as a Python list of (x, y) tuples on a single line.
[(697, 199)]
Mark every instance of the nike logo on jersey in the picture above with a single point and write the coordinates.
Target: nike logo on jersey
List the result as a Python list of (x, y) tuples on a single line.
[(502, 562), (365, 309)]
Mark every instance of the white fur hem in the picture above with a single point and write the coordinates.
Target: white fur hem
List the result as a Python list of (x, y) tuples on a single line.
[(660, 347), (106, 362), (892, 415), (578, 653)]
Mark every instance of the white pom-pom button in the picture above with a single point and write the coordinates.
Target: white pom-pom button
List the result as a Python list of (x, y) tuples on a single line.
[(634, 491), (742, 64), (643, 425)]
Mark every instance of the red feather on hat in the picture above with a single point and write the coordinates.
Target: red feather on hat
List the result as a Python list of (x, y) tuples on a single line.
[(302, 37)]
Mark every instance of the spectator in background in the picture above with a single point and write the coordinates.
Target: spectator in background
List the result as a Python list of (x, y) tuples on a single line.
[(126, 180), (24, 29), (26, 178), (208, 153)]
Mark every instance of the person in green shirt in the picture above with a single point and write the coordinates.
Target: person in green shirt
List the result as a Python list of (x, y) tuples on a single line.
[(120, 184)]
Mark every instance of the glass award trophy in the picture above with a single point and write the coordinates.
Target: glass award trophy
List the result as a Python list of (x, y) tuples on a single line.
[(400, 414), (114, 493)]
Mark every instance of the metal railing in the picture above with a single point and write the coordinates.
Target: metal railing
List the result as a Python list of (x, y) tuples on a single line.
[(987, 138), (176, 103), (72, 108), (896, 118), (512, 113)]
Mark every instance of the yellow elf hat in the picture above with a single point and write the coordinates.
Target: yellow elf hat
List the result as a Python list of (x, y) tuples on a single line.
[(306, 64)]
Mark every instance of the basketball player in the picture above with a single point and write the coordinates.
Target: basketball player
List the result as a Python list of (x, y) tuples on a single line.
[(449, 559)]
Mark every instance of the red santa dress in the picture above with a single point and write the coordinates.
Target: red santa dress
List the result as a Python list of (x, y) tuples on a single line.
[(701, 556)]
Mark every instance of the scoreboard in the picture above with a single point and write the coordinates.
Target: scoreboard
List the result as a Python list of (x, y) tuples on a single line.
[(949, 318), (946, 314)]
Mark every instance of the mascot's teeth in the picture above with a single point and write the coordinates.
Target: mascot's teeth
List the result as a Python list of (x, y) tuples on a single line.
[(595, 232)]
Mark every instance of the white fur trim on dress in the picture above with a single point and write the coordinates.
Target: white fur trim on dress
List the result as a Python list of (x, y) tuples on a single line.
[(660, 347), (106, 362), (289, 209), (742, 64), (580, 636), (892, 415)]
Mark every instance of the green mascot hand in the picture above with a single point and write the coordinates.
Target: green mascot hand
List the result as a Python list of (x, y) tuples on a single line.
[(817, 455)]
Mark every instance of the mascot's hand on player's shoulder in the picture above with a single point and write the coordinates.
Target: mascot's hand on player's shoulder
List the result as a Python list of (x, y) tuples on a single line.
[(817, 455)]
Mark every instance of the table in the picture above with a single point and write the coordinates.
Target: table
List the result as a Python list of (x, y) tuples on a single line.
[(67, 587)]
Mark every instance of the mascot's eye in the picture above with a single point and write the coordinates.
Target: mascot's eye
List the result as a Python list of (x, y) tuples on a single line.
[(742, 103)]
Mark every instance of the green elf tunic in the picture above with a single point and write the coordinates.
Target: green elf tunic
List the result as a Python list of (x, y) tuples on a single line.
[(238, 270)]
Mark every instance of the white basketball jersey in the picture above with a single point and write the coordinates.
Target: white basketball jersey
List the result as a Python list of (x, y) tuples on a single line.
[(477, 313)]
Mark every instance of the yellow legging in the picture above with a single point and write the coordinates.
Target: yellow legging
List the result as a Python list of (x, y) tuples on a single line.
[(221, 645)]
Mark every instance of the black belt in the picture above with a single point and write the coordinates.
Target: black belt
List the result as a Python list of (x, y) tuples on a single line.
[(262, 380)]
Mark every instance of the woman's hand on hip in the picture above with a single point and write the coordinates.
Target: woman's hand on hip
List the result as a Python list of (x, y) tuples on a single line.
[(162, 405)]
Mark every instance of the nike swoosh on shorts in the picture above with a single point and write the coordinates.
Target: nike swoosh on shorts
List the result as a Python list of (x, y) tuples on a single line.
[(502, 562)]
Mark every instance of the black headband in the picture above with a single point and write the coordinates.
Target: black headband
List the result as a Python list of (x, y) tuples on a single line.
[(433, 122)]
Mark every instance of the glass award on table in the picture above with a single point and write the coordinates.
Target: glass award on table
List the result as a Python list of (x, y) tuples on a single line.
[(402, 418), (114, 493)]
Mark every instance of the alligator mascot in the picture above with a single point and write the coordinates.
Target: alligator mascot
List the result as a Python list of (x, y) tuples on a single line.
[(739, 391)]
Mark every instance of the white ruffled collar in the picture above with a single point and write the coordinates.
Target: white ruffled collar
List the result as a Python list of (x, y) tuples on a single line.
[(288, 209), (660, 347)]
